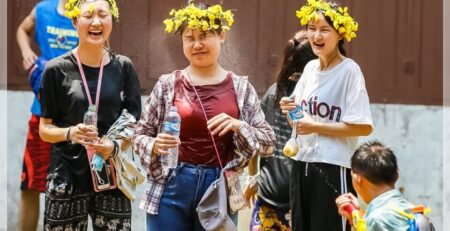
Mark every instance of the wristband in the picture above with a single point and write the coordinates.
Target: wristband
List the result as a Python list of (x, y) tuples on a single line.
[(115, 149), (68, 135)]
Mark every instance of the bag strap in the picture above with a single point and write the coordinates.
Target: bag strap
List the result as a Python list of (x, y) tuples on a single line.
[(206, 119)]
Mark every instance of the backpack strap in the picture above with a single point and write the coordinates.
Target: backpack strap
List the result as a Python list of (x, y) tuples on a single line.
[(411, 215)]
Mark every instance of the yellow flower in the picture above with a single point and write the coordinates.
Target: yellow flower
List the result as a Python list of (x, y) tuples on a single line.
[(228, 16), (201, 19), (169, 25), (91, 8), (76, 12), (342, 22), (72, 9)]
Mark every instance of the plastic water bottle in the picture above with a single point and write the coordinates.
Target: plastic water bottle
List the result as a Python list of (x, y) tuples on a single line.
[(172, 123), (90, 117)]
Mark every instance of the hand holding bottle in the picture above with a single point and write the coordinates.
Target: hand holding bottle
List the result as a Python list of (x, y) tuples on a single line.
[(163, 142), (83, 134), (287, 104)]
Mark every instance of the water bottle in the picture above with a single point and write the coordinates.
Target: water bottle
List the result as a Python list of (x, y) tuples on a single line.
[(172, 123), (90, 117)]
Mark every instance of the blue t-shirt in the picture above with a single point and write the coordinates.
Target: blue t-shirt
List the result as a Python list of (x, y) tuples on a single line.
[(54, 34), (380, 214)]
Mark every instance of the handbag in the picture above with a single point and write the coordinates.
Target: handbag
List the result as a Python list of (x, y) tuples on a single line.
[(128, 174)]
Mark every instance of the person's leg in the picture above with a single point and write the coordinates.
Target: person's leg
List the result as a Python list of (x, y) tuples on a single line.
[(330, 182), (299, 197), (35, 164), (29, 210), (64, 209), (176, 206), (110, 210)]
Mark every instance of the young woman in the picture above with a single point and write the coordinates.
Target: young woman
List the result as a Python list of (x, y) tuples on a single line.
[(271, 208), (336, 111), (89, 74), (203, 89)]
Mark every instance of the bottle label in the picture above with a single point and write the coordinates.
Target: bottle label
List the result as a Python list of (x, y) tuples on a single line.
[(296, 114), (172, 127)]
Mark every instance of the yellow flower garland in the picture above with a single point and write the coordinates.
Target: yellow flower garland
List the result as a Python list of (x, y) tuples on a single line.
[(72, 8), (199, 19), (343, 23)]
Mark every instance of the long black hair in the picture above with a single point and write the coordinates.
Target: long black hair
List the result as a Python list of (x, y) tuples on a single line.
[(297, 54)]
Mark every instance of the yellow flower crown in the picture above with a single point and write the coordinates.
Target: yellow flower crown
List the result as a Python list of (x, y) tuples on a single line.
[(72, 8), (211, 19), (343, 23)]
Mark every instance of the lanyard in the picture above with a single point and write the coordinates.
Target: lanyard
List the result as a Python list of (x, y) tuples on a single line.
[(206, 118), (86, 87)]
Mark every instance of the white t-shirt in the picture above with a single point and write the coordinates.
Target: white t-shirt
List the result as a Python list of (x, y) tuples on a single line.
[(335, 95)]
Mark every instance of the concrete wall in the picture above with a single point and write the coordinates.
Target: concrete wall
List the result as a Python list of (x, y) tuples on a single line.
[(413, 132)]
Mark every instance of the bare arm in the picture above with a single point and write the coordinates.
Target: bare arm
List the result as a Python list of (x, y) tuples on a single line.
[(253, 166), (251, 183), (51, 133), (307, 126), (24, 38), (81, 133), (344, 129)]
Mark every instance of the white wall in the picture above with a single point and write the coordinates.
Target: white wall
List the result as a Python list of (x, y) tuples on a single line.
[(413, 132), (415, 135)]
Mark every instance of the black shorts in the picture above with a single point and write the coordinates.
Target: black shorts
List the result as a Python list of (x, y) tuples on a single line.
[(66, 210), (314, 188)]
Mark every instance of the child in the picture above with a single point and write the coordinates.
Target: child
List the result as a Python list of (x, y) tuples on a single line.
[(374, 173)]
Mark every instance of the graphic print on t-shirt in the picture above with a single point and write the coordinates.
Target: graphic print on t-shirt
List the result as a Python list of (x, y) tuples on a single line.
[(60, 38), (322, 109)]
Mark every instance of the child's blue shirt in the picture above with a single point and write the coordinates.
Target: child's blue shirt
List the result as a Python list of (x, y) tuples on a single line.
[(381, 216)]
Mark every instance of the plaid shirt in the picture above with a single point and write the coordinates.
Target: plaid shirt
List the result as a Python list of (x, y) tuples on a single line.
[(255, 136)]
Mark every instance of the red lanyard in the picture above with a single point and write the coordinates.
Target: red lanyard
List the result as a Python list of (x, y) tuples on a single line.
[(86, 87)]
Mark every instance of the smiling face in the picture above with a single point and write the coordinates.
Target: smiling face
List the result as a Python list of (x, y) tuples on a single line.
[(202, 49), (95, 22), (322, 36)]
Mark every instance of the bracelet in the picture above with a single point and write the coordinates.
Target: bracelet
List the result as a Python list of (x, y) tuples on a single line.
[(115, 149), (68, 135)]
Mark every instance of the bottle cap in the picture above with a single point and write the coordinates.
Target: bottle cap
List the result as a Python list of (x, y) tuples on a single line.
[(92, 107)]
